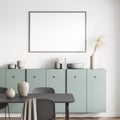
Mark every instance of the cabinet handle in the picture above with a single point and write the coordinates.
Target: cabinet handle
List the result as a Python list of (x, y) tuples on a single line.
[(75, 76), (34, 76), (13, 76), (94, 76), (53, 76)]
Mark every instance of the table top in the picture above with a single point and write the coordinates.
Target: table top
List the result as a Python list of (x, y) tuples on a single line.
[(57, 98)]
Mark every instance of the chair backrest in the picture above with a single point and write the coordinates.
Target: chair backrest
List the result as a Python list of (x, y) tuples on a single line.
[(45, 109), (43, 90), (3, 91)]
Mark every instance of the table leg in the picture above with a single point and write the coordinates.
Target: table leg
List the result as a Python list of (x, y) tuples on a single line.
[(66, 111)]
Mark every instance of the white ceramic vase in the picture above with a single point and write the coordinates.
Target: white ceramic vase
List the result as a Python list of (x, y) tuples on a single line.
[(10, 93), (20, 64), (23, 88)]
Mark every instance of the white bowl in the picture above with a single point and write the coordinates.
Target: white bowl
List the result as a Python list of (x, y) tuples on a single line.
[(75, 65)]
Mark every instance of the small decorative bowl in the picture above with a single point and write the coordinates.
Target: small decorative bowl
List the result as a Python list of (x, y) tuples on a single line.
[(11, 66), (10, 93)]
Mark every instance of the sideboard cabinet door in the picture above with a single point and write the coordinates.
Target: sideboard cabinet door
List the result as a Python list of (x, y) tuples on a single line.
[(13, 77), (36, 78), (96, 90), (2, 83), (2, 77), (55, 78), (76, 84)]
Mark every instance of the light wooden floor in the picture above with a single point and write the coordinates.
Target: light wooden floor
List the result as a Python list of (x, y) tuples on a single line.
[(91, 118), (88, 118)]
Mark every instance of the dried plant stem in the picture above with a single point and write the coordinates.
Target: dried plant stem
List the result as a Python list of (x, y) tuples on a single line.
[(98, 44)]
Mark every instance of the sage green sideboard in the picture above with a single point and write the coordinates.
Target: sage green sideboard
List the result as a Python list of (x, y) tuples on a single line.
[(87, 85)]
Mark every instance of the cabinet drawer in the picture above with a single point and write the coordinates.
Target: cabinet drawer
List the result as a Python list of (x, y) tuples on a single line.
[(13, 77), (36, 78), (96, 90)]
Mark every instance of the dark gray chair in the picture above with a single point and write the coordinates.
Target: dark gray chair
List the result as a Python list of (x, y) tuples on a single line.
[(45, 109), (43, 90), (4, 105)]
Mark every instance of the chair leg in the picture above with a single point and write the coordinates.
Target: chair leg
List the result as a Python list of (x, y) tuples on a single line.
[(5, 113), (8, 111)]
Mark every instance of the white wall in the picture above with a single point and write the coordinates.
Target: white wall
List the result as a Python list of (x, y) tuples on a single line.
[(103, 18)]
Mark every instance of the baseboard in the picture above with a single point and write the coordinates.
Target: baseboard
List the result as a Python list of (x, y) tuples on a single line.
[(95, 115), (74, 115)]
